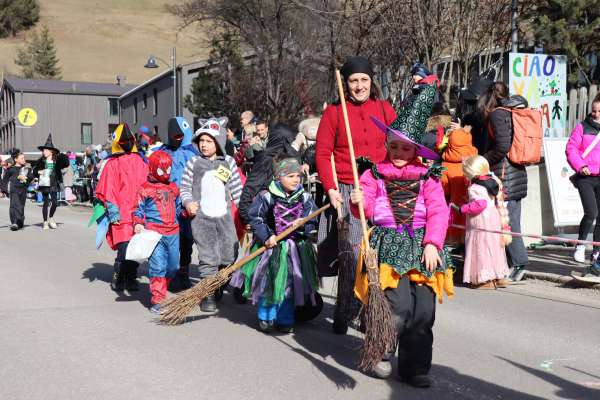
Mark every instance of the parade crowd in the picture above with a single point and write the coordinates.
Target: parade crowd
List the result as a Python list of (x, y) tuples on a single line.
[(432, 185)]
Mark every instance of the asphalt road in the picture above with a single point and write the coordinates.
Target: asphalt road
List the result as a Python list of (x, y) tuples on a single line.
[(65, 335)]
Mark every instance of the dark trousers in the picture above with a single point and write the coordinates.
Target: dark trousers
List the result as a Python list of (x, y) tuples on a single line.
[(51, 201), (413, 308), (516, 253), (17, 206), (121, 253), (589, 191), (186, 246)]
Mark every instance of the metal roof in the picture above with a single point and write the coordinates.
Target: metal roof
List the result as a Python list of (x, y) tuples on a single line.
[(134, 89), (65, 87)]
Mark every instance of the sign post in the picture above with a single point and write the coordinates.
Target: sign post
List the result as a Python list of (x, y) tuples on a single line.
[(542, 80), (566, 204)]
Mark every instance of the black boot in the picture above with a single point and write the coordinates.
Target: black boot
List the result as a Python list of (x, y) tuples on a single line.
[(181, 281), (131, 282), (118, 279), (209, 304)]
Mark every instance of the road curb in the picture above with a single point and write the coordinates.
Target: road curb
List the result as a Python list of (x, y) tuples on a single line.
[(82, 205), (547, 276)]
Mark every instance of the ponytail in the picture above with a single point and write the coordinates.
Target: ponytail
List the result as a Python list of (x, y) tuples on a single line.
[(506, 239), (497, 92)]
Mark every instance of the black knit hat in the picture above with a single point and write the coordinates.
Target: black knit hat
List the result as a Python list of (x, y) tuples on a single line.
[(356, 65), (420, 70)]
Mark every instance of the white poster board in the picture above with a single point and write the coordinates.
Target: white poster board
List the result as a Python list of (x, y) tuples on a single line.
[(566, 203), (542, 80)]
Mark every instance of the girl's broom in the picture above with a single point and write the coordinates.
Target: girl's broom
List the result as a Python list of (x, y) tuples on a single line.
[(380, 333), (175, 309)]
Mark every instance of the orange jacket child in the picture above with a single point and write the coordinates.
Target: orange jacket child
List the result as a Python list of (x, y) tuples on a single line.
[(460, 147)]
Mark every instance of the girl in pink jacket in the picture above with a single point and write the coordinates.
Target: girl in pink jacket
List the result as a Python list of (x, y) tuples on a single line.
[(405, 202), (587, 179)]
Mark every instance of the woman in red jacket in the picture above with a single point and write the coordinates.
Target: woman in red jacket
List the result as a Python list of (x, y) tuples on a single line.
[(363, 101)]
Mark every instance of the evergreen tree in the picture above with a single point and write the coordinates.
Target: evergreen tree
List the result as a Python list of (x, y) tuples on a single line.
[(38, 58), (17, 15), (570, 27)]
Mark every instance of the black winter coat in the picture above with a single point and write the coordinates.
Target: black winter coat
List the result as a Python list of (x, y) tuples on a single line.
[(513, 176), (61, 162), (281, 137)]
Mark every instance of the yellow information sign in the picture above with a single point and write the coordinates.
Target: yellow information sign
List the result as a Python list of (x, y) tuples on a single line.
[(27, 117)]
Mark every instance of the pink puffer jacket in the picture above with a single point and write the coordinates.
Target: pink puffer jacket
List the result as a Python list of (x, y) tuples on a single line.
[(431, 210), (580, 139)]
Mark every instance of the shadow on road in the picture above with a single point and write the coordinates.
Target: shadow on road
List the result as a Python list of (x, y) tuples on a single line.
[(567, 389), (315, 341), (452, 385), (103, 272)]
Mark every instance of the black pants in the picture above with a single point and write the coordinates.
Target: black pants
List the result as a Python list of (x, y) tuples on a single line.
[(18, 197), (186, 246), (50, 199), (589, 191), (413, 307)]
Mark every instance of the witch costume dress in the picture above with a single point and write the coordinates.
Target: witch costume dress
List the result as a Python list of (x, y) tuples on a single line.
[(407, 207), (284, 277)]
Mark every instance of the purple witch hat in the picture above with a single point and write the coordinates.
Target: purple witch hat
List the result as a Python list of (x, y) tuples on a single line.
[(410, 124)]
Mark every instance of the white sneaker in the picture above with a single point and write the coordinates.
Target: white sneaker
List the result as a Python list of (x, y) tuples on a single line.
[(579, 254), (52, 223), (46, 226)]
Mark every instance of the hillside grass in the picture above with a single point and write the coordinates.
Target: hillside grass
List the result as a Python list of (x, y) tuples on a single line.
[(97, 40)]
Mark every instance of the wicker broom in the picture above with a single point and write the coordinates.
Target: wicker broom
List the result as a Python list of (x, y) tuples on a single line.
[(380, 333), (175, 309)]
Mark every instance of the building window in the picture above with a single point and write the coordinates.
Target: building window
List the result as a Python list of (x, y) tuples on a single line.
[(145, 100), (155, 98), (111, 129), (113, 107), (135, 114), (86, 133)]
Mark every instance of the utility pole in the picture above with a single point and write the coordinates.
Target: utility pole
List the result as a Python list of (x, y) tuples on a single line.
[(514, 37)]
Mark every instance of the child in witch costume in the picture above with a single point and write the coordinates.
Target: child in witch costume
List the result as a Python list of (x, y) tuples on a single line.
[(405, 202), (158, 208), (179, 146), (14, 183), (285, 276), (48, 171), (210, 184), (124, 172)]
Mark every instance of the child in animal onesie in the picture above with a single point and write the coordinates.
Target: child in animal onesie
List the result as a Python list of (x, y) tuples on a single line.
[(210, 184)]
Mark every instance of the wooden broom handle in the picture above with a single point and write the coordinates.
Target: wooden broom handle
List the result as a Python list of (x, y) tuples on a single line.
[(282, 235), (361, 209), (335, 180)]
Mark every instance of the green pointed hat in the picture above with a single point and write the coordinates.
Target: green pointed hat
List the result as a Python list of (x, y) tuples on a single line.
[(411, 122)]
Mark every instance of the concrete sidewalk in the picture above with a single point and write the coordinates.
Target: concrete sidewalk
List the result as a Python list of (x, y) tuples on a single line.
[(555, 263)]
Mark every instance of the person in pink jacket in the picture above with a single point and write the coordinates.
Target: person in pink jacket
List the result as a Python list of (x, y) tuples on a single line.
[(587, 178), (405, 202)]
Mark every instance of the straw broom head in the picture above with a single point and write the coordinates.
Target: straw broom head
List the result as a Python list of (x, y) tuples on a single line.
[(380, 332), (174, 310)]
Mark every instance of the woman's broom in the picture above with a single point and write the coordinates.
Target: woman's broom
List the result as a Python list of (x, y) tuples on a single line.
[(380, 333), (175, 309)]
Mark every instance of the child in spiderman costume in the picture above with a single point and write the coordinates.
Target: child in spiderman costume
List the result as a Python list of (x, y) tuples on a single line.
[(179, 146), (158, 206)]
